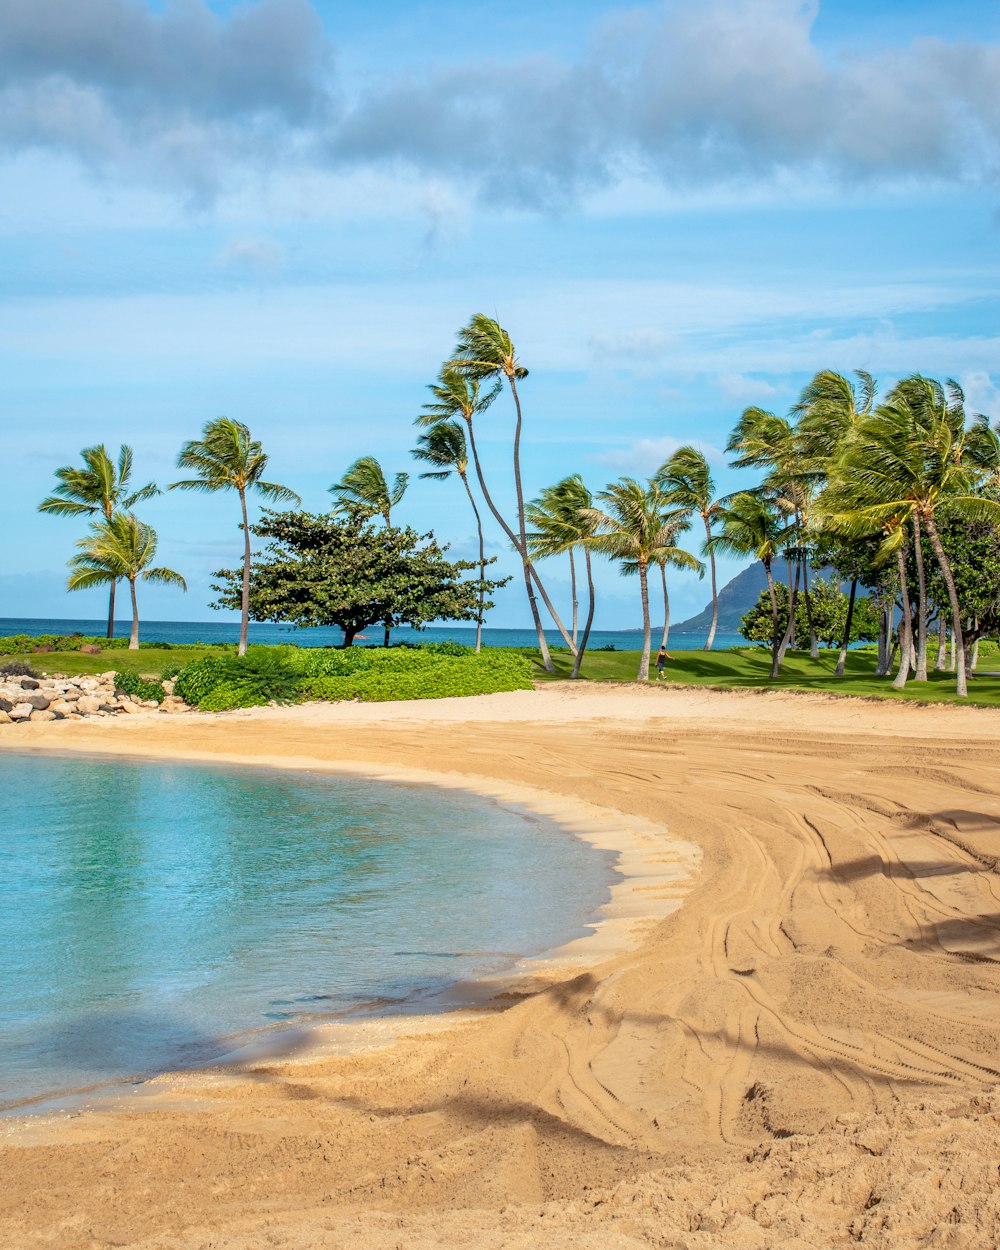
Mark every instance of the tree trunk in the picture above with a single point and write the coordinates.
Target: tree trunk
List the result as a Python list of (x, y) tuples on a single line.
[(572, 583), (590, 616), (974, 659), (884, 625), (715, 589), (245, 595), (482, 562), (111, 611), (961, 682), (778, 655), (842, 658), (349, 636), (941, 662), (644, 592), (543, 645), (666, 608), (788, 569), (921, 673), (813, 642), (905, 625), (774, 604), (133, 642)]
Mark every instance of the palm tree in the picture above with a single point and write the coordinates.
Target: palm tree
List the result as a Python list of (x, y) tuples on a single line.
[(365, 483), (751, 525), (99, 488), (687, 481), (634, 530), (119, 547), (227, 458), (485, 350), (678, 522), (911, 457), (444, 445), (563, 520)]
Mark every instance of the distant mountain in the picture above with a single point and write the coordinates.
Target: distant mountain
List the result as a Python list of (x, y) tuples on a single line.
[(735, 598)]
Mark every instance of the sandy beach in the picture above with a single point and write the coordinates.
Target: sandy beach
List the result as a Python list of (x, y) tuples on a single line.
[(786, 1035)]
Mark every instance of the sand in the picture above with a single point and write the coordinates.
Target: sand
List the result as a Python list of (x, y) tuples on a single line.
[(805, 1052)]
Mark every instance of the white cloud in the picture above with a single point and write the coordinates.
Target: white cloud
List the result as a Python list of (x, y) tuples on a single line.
[(644, 456), (741, 388), (259, 256), (981, 393)]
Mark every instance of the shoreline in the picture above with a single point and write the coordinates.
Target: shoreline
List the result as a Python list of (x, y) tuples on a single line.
[(651, 873), (806, 1053)]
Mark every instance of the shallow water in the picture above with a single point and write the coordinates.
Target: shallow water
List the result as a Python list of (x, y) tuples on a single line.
[(149, 912)]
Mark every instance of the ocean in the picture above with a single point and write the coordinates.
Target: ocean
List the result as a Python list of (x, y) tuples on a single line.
[(192, 632)]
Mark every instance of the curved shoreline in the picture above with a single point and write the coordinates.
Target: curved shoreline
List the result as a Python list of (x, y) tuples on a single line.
[(806, 1053)]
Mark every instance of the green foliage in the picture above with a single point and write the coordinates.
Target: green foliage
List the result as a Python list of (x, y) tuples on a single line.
[(431, 676), (829, 611), (22, 644), (219, 682), (131, 683), (346, 572)]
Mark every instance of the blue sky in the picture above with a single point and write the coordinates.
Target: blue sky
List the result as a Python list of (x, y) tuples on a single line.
[(282, 211)]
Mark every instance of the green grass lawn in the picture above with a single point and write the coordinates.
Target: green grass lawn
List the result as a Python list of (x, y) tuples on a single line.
[(742, 668), (749, 667)]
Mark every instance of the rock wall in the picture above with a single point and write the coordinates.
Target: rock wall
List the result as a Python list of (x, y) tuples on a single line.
[(57, 697)]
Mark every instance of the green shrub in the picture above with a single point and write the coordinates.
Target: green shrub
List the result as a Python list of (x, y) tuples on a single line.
[(451, 677), (132, 683), (262, 675)]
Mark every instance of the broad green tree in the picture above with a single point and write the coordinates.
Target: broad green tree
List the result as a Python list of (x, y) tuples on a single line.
[(99, 488), (444, 445), (636, 529), (227, 458), (687, 482), (121, 548)]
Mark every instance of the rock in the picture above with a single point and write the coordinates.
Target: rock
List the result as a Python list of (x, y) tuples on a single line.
[(89, 704), (41, 650), (5, 705), (4, 718), (29, 683), (41, 714), (20, 711), (63, 707), (168, 686), (38, 701), (129, 706), (89, 648), (70, 696), (108, 707)]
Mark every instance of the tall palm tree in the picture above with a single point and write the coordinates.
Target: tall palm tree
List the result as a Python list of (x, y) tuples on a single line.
[(632, 529), (120, 547), (444, 445), (687, 481), (912, 456), (678, 521), (227, 458), (563, 520), (484, 351), (99, 488), (751, 525), (365, 483)]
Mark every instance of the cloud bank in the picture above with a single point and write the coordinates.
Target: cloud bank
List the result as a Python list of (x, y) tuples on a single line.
[(721, 92)]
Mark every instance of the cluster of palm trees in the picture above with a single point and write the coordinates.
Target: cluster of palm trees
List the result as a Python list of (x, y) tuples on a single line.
[(121, 547)]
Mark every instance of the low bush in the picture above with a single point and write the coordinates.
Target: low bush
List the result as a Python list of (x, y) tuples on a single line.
[(220, 682), (21, 644), (452, 676), (17, 668), (131, 683)]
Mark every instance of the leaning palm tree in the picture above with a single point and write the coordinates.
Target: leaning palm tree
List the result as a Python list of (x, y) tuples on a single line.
[(687, 481), (227, 458), (365, 483), (100, 488), (912, 457), (633, 529), (562, 518), (120, 548), (751, 525), (444, 446)]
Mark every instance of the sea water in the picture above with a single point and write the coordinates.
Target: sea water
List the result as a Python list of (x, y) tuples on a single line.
[(152, 915)]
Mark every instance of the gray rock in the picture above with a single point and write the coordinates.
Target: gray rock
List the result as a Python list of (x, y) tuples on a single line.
[(5, 705), (108, 707), (38, 701), (29, 683)]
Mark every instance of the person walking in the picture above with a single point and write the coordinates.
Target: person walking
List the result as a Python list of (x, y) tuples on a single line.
[(661, 659)]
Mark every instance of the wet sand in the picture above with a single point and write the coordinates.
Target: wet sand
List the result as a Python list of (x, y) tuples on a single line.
[(804, 1053)]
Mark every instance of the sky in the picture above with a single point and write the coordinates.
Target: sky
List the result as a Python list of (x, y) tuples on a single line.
[(282, 211)]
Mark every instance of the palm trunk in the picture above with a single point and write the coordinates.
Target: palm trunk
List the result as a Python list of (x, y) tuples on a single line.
[(813, 643), (245, 595), (666, 608), (111, 611), (133, 641), (519, 491), (590, 616), (543, 645), (941, 661), (778, 656), (788, 568), (884, 623), (644, 592), (905, 625), (921, 673), (572, 583), (772, 593), (958, 642), (842, 658), (482, 563), (715, 589)]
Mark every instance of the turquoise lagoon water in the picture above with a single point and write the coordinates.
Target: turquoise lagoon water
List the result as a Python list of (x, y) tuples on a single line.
[(149, 913)]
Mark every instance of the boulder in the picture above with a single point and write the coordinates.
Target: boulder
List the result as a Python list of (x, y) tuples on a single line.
[(108, 707), (90, 648), (62, 707), (38, 701), (5, 705), (41, 714), (89, 704), (20, 711), (29, 683), (128, 706), (70, 695), (4, 718), (41, 650)]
